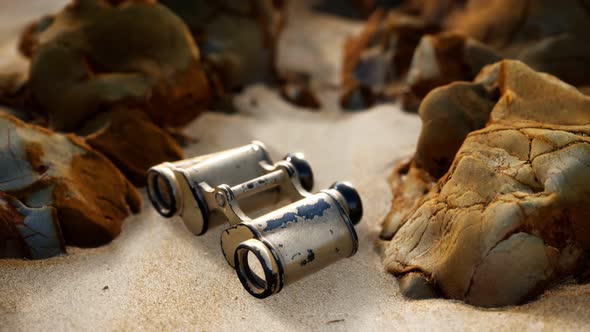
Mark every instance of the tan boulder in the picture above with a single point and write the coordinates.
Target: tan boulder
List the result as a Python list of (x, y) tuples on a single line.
[(509, 216), (445, 58)]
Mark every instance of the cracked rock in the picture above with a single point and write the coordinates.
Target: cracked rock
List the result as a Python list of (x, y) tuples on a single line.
[(56, 190), (508, 217)]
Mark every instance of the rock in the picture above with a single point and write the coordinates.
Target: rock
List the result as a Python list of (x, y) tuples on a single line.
[(462, 106), (416, 286), (28, 232), (14, 93), (564, 56), (131, 141), (296, 88), (379, 56), (444, 58), (549, 36), (506, 24), (433, 12), (94, 55), (29, 38), (410, 184), (47, 175), (508, 217), (237, 39), (355, 9)]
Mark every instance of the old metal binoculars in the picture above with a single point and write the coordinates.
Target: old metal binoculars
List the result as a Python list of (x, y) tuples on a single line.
[(268, 245)]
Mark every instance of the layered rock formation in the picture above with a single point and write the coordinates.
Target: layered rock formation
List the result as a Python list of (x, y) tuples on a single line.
[(124, 76), (493, 208), (458, 39), (56, 190)]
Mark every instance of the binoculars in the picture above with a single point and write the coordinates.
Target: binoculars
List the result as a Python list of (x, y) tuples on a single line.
[(279, 232)]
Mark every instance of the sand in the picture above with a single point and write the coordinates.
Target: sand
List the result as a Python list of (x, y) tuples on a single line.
[(157, 275)]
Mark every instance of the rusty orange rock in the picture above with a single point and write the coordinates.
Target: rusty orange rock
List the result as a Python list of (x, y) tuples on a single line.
[(59, 180)]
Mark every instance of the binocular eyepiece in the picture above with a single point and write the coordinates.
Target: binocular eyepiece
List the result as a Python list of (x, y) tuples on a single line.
[(241, 186)]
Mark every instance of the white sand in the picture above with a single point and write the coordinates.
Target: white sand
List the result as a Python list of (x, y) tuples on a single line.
[(156, 275)]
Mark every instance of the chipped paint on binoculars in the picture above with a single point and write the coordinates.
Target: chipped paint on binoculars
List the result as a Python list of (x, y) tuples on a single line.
[(279, 232)]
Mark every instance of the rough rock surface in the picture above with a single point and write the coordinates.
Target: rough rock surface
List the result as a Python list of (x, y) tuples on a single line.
[(508, 218), (28, 232), (56, 185), (157, 273), (378, 56), (297, 89), (444, 58), (355, 9), (95, 54), (131, 141), (237, 39), (547, 35)]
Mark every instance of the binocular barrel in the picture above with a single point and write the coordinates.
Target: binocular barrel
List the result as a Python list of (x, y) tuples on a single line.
[(229, 167), (290, 243), (189, 187)]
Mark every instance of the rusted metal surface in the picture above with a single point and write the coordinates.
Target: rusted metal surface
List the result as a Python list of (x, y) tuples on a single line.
[(286, 244)]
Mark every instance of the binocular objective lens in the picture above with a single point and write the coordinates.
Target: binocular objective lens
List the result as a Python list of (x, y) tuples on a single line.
[(254, 266), (254, 270), (161, 194)]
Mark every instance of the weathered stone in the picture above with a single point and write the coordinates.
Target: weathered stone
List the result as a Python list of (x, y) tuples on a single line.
[(414, 285), (547, 35), (297, 89), (509, 217), (564, 56), (444, 58), (45, 172), (28, 232), (505, 24), (410, 184), (237, 39), (356, 9), (131, 141), (96, 54), (379, 56), (458, 109)]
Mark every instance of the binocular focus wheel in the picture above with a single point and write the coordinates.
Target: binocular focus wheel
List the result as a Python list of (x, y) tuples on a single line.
[(252, 282), (303, 169), (352, 198)]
